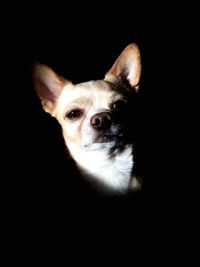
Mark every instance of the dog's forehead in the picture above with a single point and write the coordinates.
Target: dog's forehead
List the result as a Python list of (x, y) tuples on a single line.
[(95, 87), (82, 93)]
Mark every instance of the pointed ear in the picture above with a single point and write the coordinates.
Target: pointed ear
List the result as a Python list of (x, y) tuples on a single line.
[(48, 86), (127, 67)]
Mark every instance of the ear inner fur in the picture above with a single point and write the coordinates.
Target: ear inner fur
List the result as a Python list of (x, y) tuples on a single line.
[(48, 86), (127, 67)]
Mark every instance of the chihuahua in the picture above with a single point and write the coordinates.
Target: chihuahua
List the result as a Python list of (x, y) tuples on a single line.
[(95, 117)]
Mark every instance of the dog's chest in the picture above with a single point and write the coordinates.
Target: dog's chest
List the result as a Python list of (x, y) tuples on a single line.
[(114, 172)]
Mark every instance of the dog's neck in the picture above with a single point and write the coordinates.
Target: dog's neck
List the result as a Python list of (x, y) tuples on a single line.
[(113, 170)]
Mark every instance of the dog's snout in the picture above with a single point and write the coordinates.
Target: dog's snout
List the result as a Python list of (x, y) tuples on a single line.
[(101, 120)]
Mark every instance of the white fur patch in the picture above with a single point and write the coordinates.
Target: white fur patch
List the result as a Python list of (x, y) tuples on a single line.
[(113, 171)]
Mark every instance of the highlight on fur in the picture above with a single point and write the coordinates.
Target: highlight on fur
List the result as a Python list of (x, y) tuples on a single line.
[(93, 116)]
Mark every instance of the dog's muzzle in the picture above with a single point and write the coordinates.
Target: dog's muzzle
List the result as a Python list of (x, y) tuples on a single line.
[(105, 127), (101, 121)]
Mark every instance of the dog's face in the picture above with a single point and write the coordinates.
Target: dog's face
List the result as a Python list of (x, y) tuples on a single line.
[(87, 114), (92, 114)]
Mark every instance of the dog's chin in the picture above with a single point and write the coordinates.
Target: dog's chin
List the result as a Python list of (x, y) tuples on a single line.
[(102, 142), (99, 146), (102, 139)]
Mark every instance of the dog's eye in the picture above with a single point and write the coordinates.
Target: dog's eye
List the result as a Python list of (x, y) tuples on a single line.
[(74, 114), (119, 104)]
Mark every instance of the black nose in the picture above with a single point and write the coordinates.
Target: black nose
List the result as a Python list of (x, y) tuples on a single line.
[(101, 121)]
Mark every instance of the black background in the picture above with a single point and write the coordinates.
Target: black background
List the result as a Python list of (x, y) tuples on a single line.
[(44, 189), (83, 49)]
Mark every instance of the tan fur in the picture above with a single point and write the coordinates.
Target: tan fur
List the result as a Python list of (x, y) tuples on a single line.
[(59, 97), (130, 55)]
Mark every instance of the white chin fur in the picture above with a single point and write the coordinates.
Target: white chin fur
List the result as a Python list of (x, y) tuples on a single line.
[(98, 146), (112, 171)]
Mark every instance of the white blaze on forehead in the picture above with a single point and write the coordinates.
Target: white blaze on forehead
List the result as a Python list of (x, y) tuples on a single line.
[(102, 94), (94, 93)]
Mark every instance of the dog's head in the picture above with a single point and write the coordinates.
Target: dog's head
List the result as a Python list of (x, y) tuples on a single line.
[(92, 114)]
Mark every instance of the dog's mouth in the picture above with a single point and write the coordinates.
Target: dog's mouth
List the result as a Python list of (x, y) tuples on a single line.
[(107, 138), (104, 140)]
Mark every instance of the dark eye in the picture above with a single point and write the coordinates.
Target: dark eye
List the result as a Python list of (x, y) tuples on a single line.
[(119, 104), (74, 114)]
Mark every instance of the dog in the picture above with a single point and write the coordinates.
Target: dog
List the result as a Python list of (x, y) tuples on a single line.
[(96, 119)]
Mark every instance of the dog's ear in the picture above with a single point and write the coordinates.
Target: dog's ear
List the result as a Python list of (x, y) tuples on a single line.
[(127, 67), (48, 86)]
